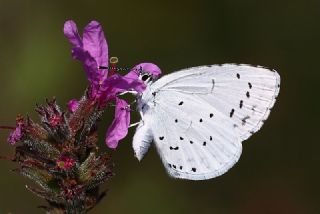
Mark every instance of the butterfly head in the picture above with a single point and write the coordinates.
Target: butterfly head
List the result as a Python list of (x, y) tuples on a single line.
[(146, 77)]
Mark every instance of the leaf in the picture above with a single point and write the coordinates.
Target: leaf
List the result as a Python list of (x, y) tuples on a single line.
[(49, 196), (40, 177)]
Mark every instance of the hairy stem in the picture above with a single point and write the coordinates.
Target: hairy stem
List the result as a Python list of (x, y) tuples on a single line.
[(7, 127)]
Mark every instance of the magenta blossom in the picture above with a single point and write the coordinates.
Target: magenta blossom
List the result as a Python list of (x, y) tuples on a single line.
[(73, 105), (16, 134), (65, 162), (92, 51)]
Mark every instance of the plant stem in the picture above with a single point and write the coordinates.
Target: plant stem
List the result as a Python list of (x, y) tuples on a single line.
[(7, 127)]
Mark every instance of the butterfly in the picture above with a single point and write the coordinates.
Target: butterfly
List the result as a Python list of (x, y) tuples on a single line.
[(198, 117)]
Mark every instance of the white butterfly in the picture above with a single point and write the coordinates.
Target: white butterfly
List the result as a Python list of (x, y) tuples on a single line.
[(199, 116)]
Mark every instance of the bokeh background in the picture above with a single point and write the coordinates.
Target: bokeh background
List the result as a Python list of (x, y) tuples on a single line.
[(279, 168)]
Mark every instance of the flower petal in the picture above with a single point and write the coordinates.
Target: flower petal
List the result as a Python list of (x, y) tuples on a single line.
[(95, 43), (73, 105), (120, 84), (146, 66), (119, 126), (15, 135), (71, 32), (94, 75)]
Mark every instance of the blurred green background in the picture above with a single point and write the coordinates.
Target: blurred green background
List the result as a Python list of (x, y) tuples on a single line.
[(279, 168)]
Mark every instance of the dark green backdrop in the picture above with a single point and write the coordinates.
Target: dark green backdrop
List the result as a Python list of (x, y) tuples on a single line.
[(279, 168)]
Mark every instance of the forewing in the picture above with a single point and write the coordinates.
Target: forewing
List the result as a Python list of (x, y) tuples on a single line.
[(243, 94)]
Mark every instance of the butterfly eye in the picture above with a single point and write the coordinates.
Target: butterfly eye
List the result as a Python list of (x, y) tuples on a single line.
[(145, 77)]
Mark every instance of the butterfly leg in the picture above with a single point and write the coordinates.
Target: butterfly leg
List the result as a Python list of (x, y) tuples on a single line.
[(128, 92), (134, 124), (141, 115), (138, 123)]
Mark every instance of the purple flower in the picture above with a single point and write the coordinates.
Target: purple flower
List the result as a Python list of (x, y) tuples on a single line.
[(73, 105), (16, 134), (92, 51)]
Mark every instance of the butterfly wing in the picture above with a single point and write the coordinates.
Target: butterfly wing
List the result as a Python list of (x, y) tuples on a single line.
[(199, 116), (244, 94), (193, 139)]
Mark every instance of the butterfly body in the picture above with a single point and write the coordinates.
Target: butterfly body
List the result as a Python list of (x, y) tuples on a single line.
[(199, 116)]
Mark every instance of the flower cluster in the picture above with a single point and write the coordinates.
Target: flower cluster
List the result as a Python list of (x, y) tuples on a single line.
[(60, 153), (92, 51)]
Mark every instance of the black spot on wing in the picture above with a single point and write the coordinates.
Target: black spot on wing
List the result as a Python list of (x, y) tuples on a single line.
[(248, 94), (194, 169), (191, 142), (204, 143), (241, 103), (181, 138), (250, 85), (176, 120), (181, 167), (174, 166), (180, 104), (161, 138), (174, 148), (238, 75), (231, 112), (211, 138), (200, 120), (211, 115)]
